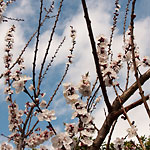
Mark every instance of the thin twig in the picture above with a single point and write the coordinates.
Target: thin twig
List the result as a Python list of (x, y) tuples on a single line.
[(110, 135), (125, 20), (92, 99), (124, 31), (92, 89), (31, 131), (66, 70), (127, 78), (128, 119), (116, 13), (65, 73), (30, 119), (52, 60), (13, 19)]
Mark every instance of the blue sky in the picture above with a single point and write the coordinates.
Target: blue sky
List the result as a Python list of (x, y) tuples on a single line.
[(101, 12)]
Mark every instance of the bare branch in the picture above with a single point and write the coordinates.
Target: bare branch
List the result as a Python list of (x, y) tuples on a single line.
[(14, 19), (48, 47), (125, 19), (50, 64), (36, 47), (116, 14)]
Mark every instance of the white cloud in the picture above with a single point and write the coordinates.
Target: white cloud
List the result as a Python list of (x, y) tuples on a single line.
[(142, 33), (24, 9)]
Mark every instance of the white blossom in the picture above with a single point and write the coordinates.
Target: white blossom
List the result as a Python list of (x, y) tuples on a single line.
[(132, 131), (37, 139), (146, 61), (8, 90), (70, 93), (80, 108), (88, 132), (31, 87), (118, 143), (98, 99), (6, 146), (19, 85), (86, 118), (60, 140), (101, 49), (47, 115), (71, 128), (14, 117), (43, 95), (43, 104), (103, 41), (86, 140), (85, 86), (73, 33), (42, 147)]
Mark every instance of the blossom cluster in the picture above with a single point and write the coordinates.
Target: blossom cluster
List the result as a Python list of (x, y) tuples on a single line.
[(12, 78), (132, 131), (76, 134), (38, 138), (85, 86), (15, 121), (14, 116), (6, 146), (109, 69), (61, 140), (145, 61), (46, 115), (73, 36), (9, 46), (128, 50), (119, 143), (19, 84)]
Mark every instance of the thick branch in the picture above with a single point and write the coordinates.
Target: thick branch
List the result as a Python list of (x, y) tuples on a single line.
[(116, 111), (131, 106), (130, 91)]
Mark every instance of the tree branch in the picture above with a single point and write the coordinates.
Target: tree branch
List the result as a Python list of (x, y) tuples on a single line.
[(94, 51), (115, 111)]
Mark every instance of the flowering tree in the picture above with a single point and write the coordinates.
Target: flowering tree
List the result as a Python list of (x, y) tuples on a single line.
[(83, 99)]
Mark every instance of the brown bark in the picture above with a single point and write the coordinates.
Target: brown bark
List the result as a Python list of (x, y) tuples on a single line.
[(116, 111)]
